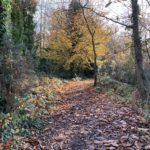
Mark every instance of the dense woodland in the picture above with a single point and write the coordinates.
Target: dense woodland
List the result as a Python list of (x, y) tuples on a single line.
[(61, 60)]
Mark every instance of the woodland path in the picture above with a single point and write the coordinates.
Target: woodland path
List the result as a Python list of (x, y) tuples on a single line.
[(85, 119)]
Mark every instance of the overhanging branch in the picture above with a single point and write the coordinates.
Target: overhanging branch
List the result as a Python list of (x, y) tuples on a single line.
[(110, 19)]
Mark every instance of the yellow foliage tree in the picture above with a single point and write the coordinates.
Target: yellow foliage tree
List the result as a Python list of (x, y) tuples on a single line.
[(70, 42)]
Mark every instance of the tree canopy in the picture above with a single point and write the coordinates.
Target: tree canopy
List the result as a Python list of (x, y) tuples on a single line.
[(70, 42)]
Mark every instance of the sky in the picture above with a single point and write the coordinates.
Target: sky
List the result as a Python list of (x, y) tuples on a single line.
[(116, 10)]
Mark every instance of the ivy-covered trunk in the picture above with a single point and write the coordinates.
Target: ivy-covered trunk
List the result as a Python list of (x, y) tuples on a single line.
[(6, 91), (142, 81), (23, 26), (2, 24)]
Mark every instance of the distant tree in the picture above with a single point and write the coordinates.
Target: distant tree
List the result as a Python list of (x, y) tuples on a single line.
[(70, 42), (22, 22), (2, 22), (73, 30), (6, 95), (29, 25), (17, 25), (2, 32), (142, 80), (143, 83)]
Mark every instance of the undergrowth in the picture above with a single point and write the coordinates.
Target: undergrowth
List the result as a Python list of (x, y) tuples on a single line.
[(26, 118), (118, 91), (106, 84), (146, 109)]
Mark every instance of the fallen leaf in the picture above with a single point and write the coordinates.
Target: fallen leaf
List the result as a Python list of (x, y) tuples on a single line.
[(1, 146), (147, 147), (26, 145), (134, 137), (8, 144), (138, 145)]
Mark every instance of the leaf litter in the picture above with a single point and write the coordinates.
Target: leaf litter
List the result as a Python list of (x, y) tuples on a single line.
[(84, 119)]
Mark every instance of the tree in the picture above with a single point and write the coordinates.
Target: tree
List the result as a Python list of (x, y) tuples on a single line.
[(73, 30), (143, 83), (23, 24), (2, 32), (17, 25), (70, 42), (17, 22), (6, 95), (92, 31), (2, 22)]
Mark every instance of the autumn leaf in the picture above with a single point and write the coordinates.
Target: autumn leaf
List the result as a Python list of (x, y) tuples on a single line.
[(1, 146), (8, 144)]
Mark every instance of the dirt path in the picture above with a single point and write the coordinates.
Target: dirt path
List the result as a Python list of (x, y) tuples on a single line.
[(84, 119)]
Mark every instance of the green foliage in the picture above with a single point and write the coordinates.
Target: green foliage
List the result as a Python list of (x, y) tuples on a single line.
[(17, 22), (16, 37), (2, 21), (22, 23), (29, 25), (17, 124), (125, 72), (27, 117), (55, 69), (75, 6), (120, 67), (105, 83), (77, 78), (146, 110), (147, 115)]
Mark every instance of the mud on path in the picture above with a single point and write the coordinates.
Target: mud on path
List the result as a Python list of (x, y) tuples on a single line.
[(84, 119)]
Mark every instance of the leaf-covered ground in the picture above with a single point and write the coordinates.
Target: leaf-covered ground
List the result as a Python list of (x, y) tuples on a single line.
[(84, 119)]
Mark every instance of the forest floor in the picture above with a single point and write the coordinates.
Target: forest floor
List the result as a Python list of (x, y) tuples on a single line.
[(85, 119)]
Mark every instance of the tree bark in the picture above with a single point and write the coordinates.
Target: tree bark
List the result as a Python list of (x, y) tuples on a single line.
[(95, 61), (92, 34), (142, 81)]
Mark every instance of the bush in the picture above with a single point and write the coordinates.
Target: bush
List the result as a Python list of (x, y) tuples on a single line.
[(123, 71), (17, 124), (125, 74), (26, 119), (52, 68), (105, 83)]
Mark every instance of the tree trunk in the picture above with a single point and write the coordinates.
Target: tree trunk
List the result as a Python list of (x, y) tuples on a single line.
[(142, 81), (92, 34), (95, 61)]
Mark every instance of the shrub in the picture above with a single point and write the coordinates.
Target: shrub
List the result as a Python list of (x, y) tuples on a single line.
[(105, 83)]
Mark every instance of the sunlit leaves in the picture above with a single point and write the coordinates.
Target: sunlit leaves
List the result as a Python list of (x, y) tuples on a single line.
[(70, 41)]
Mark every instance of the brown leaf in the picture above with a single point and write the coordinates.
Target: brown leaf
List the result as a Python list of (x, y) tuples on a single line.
[(8, 144), (33, 141), (138, 145), (1, 146), (60, 138)]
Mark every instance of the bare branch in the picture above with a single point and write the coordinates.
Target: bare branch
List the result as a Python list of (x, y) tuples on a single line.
[(110, 19), (148, 2), (86, 21)]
